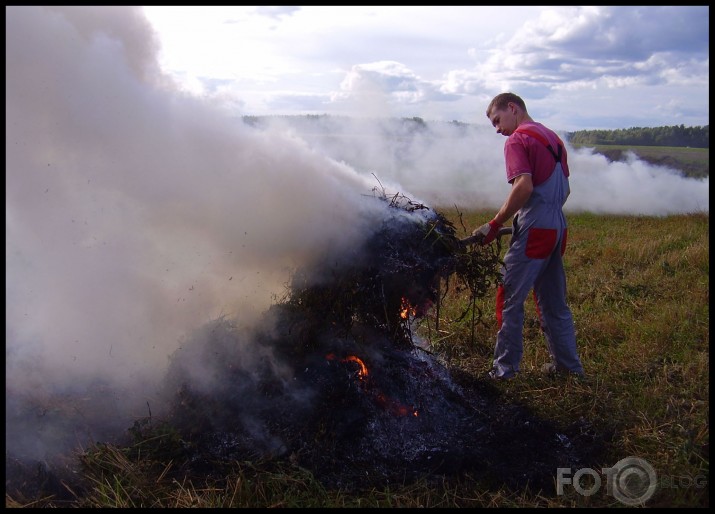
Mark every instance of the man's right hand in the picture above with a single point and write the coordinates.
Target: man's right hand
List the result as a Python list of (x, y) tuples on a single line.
[(487, 232)]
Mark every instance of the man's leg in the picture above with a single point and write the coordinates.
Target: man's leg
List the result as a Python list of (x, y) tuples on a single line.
[(556, 317), (518, 281)]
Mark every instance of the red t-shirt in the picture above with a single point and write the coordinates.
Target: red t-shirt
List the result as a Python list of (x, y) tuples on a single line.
[(527, 154)]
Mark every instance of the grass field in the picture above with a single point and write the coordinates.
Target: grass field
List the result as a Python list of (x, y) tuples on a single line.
[(693, 162), (639, 293)]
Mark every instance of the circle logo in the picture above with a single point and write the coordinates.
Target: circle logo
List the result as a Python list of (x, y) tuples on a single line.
[(634, 481)]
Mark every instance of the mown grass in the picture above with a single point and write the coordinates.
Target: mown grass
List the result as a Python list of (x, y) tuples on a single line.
[(692, 162), (639, 293)]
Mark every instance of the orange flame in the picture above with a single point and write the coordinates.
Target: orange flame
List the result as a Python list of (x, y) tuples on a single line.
[(407, 310), (362, 373), (389, 404), (363, 369)]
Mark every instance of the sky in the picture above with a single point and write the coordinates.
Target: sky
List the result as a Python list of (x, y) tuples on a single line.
[(577, 67), (137, 211)]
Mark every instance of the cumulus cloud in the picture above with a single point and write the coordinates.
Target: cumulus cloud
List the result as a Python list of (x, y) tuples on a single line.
[(587, 43), (443, 64)]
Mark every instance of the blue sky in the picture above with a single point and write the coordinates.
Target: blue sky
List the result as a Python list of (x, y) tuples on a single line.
[(591, 67)]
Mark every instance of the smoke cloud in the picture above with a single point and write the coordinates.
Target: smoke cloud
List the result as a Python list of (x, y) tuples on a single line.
[(136, 213), (449, 164)]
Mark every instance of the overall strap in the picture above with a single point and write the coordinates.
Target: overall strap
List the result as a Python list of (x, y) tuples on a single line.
[(539, 136)]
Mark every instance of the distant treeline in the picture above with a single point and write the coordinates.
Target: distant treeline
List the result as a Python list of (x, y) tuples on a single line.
[(676, 135)]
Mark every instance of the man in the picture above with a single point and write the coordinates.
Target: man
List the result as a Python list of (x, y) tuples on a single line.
[(537, 168)]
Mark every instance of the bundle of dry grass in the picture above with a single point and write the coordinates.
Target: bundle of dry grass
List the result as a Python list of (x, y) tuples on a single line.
[(396, 276)]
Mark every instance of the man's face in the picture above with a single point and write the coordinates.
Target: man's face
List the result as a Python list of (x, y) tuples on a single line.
[(504, 120)]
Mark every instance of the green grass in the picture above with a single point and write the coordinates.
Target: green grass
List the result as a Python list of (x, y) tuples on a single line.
[(638, 288), (639, 293), (693, 162)]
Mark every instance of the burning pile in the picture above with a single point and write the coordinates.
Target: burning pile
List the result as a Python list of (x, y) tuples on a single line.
[(334, 382), (331, 380)]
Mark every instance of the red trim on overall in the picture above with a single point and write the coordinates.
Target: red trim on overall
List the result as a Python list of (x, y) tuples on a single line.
[(540, 242), (500, 306), (544, 141)]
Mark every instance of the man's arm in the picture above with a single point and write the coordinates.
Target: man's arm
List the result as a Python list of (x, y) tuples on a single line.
[(521, 190)]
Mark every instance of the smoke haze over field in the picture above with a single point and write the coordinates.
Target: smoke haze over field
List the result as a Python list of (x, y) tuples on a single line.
[(136, 213), (451, 163)]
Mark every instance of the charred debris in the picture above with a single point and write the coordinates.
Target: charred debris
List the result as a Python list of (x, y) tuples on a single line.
[(334, 381)]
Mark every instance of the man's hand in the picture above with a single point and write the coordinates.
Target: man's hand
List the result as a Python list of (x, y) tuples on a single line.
[(488, 232)]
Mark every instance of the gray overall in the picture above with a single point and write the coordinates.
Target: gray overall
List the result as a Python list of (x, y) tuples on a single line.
[(534, 260)]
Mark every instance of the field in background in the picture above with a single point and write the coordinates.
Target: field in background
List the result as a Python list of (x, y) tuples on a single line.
[(693, 162)]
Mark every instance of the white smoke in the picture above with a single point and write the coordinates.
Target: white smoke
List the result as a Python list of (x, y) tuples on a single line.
[(450, 164), (134, 213)]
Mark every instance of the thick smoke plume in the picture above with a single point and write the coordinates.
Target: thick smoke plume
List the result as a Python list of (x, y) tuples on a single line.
[(136, 214)]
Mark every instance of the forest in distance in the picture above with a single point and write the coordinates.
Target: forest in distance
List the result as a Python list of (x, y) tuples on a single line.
[(674, 135), (683, 148)]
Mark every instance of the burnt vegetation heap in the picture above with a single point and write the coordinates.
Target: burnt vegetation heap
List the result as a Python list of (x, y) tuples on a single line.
[(334, 381)]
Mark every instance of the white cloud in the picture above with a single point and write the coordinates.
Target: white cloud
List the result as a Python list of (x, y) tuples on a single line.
[(445, 60)]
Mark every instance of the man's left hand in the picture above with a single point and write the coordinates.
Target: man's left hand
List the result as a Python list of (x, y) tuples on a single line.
[(488, 231)]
